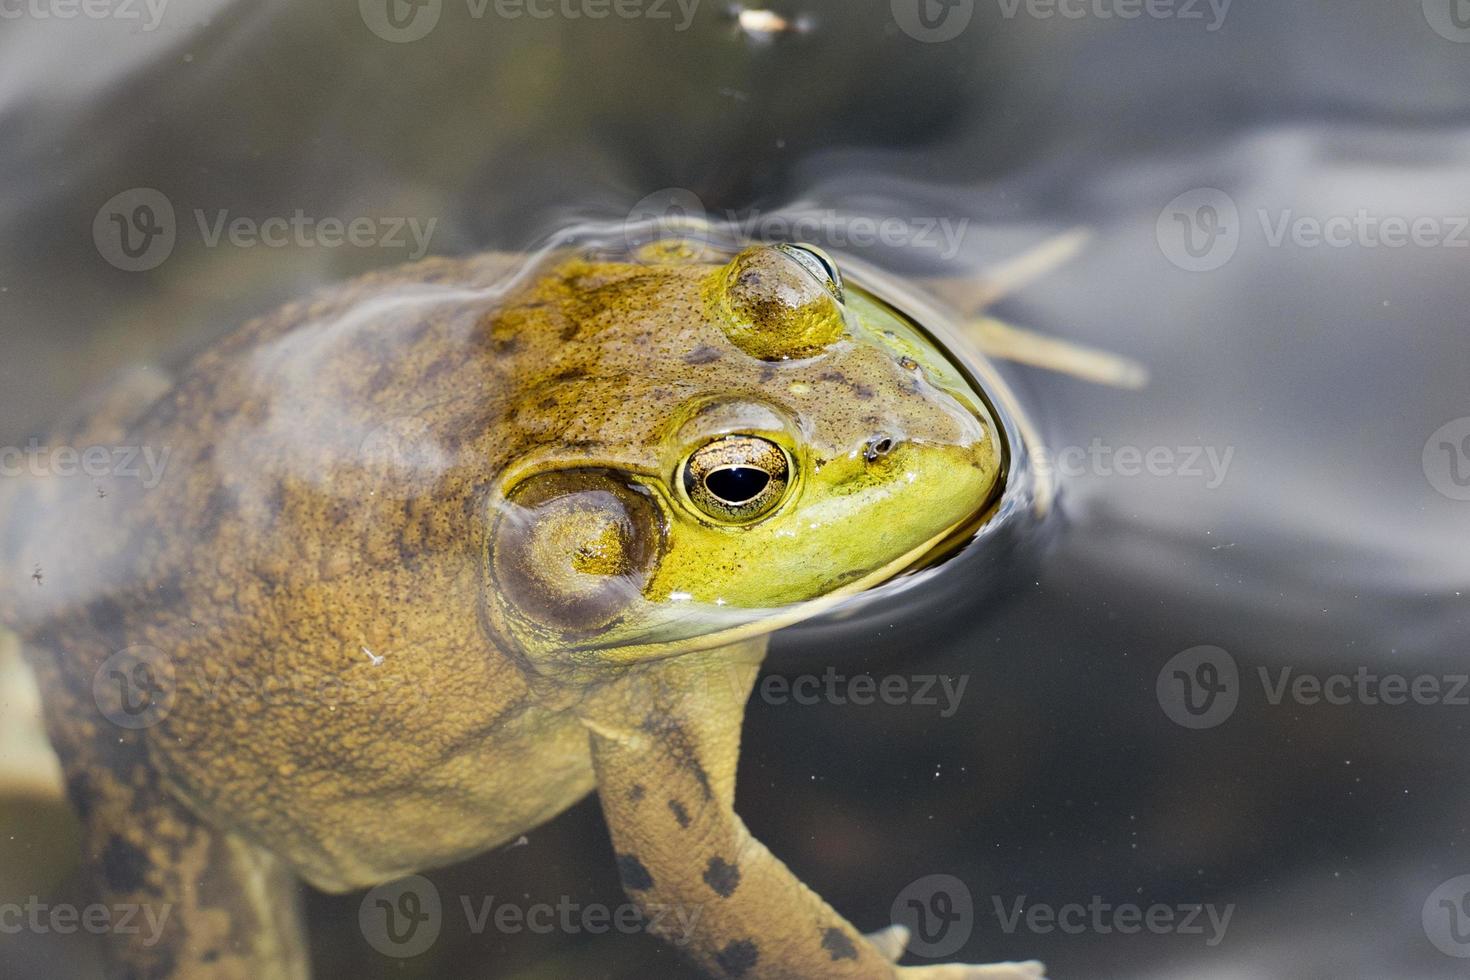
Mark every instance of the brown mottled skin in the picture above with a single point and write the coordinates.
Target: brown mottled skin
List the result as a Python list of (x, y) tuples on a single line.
[(362, 682)]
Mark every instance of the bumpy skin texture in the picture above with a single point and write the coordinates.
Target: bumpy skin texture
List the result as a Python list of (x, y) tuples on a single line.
[(346, 695)]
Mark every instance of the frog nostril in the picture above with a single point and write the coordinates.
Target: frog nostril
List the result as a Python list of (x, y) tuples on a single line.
[(877, 448)]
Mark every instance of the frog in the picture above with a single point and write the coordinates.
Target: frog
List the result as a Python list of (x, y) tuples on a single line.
[(442, 550)]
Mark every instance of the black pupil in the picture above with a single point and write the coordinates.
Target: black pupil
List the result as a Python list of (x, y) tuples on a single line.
[(737, 484)]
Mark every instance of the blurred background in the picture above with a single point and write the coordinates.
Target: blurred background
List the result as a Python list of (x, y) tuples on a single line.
[(1279, 197)]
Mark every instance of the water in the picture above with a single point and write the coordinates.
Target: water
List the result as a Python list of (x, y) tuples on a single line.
[(1300, 512)]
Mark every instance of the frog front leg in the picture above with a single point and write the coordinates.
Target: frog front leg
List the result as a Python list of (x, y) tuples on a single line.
[(665, 741)]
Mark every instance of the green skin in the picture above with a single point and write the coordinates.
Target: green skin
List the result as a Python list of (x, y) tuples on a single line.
[(422, 572)]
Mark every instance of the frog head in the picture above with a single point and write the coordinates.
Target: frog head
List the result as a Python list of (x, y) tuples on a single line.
[(728, 447)]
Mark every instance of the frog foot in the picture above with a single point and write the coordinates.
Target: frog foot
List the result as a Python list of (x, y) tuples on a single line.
[(892, 941)]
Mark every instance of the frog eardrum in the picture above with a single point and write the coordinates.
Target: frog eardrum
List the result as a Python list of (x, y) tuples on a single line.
[(570, 550), (780, 302)]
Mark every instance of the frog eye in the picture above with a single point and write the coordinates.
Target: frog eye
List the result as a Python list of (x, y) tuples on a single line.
[(737, 478), (780, 302), (819, 264)]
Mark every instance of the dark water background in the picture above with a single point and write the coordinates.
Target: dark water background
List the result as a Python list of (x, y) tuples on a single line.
[(1333, 541)]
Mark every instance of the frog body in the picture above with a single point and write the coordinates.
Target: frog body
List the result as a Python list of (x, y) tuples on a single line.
[(440, 551)]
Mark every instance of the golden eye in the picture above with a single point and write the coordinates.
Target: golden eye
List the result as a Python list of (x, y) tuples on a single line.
[(737, 478)]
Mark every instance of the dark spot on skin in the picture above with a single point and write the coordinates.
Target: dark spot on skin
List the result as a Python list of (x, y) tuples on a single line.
[(570, 374), (383, 376), (163, 967), (633, 874), (123, 866), (570, 331), (836, 377), (636, 792), (548, 402), (221, 504), (768, 373), (205, 455), (838, 946), (703, 354), (737, 958), (506, 345), (722, 877), (439, 367), (863, 392), (210, 956), (680, 748), (106, 615), (680, 814), (80, 792)]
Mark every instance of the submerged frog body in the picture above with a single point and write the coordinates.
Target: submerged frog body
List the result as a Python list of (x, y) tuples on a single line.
[(443, 550)]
